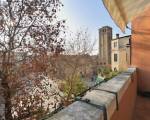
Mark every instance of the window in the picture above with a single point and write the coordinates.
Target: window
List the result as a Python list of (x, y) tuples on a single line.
[(115, 44), (115, 57), (104, 30)]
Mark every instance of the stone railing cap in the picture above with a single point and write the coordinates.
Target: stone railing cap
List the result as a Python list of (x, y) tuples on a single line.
[(83, 111)]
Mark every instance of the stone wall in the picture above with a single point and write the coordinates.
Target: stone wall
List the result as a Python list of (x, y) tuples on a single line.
[(105, 37), (112, 100)]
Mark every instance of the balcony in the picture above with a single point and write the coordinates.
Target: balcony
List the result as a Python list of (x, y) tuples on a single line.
[(142, 108), (111, 100), (117, 99)]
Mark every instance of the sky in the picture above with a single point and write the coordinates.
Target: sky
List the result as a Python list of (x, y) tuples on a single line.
[(91, 14)]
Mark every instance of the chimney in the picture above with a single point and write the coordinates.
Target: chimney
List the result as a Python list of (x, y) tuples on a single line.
[(117, 36)]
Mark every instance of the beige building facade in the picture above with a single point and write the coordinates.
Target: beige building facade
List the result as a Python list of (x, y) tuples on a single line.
[(114, 52), (120, 53)]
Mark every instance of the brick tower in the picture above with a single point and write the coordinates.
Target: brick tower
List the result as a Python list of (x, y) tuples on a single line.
[(105, 37)]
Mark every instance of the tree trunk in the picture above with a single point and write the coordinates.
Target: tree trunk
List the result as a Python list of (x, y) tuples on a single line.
[(7, 97)]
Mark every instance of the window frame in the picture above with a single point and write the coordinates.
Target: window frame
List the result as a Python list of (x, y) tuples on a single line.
[(115, 57)]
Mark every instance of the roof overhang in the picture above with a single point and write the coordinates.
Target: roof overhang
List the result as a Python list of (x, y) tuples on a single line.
[(124, 11)]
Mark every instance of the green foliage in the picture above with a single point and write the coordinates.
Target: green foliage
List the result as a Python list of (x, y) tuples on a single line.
[(111, 75), (107, 72), (73, 86), (104, 70)]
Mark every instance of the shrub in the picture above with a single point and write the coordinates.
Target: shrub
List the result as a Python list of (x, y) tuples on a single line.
[(72, 86), (107, 72)]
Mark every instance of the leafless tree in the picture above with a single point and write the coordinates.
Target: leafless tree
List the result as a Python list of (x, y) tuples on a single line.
[(30, 30), (76, 59), (80, 43), (81, 47)]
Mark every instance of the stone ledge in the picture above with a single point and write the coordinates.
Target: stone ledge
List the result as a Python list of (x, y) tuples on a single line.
[(78, 111), (83, 111)]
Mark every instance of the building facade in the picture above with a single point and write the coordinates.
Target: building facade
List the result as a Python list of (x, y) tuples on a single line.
[(105, 37), (120, 53), (114, 52), (141, 50)]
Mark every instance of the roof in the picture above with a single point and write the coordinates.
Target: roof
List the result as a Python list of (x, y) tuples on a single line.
[(124, 11), (122, 37), (105, 27)]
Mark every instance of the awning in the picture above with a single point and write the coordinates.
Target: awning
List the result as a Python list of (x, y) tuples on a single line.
[(124, 11)]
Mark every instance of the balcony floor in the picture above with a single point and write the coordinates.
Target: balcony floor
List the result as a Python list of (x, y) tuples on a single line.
[(142, 108)]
